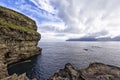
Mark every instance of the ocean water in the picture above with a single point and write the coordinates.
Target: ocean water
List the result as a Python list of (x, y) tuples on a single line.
[(56, 54)]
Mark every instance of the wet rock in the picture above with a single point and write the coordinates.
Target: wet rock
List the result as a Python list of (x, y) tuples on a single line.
[(86, 49)]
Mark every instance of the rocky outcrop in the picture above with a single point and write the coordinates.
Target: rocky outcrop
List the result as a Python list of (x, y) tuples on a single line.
[(3, 70), (16, 77), (95, 71), (68, 73), (18, 38)]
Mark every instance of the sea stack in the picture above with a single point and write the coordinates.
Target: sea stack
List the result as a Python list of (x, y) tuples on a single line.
[(18, 38)]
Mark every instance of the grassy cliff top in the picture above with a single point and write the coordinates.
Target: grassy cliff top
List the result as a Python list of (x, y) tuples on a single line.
[(15, 14), (8, 24), (16, 21)]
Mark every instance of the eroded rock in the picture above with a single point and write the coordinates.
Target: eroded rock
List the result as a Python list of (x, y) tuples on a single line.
[(95, 71), (99, 71), (18, 41), (68, 73), (16, 77), (18, 36)]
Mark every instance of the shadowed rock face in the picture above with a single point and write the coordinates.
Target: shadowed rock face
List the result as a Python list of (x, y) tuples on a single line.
[(18, 38), (95, 71)]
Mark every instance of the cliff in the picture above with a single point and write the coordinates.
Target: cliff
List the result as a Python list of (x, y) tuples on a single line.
[(18, 38), (95, 71)]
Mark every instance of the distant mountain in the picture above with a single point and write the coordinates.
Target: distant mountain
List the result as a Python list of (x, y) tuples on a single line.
[(83, 39), (104, 39), (117, 38)]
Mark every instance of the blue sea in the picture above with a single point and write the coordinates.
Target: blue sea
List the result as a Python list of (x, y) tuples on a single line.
[(56, 54)]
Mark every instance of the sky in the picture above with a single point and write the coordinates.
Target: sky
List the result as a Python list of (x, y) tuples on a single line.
[(59, 20)]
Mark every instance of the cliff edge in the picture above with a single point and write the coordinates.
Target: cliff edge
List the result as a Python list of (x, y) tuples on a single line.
[(18, 38)]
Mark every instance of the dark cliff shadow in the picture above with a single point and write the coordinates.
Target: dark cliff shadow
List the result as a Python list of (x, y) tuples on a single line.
[(23, 66)]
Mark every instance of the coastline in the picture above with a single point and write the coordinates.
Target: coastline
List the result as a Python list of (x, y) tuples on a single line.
[(95, 71)]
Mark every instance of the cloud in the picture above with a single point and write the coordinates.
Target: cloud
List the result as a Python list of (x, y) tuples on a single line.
[(62, 19), (44, 4), (51, 37), (51, 27), (102, 33), (89, 16)]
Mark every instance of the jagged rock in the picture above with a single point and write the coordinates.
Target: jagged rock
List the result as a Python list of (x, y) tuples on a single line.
[(68, 73), (16, 77), (18, 39), (3, 70), (95, 71), (99, 71)]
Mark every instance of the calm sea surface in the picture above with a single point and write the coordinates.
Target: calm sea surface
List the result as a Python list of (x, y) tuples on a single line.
[(56, 54)]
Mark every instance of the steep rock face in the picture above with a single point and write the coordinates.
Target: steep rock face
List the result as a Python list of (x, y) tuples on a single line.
[(95, 71), (3, 69), (18, 38)]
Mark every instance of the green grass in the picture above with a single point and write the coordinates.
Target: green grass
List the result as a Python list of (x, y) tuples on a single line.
[(16, 14), (9, 24)]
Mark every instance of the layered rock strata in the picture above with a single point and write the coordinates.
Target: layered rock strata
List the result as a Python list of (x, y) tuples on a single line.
[(18, 38)]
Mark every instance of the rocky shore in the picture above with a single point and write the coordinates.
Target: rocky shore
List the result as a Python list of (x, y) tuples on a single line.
[(95, 71), (18, 41)]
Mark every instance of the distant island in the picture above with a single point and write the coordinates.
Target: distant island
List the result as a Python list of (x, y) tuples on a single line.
[(117, 38)]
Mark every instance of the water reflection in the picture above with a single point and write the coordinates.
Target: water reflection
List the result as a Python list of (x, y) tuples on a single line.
[(24, 67)]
